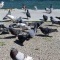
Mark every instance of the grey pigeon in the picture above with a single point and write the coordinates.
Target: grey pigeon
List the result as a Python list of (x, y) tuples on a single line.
[(54, 21), (14, 31), (9, 13)]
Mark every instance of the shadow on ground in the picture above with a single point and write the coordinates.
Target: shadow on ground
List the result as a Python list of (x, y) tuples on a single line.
[(10, 37), (18, 42), (43, 35), (52, 25)]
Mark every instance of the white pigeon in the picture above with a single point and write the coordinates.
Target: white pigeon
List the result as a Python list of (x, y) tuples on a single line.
[(28, 58), (11, 17), (23, 25), (20, 56), (35, 7), (1, 4)]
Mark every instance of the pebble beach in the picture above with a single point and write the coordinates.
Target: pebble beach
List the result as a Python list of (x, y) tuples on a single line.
[(39, 47)]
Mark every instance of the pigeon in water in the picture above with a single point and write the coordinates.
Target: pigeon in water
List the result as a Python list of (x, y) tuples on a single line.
[(16, 55), (28, 14), (47, 30), (54, 20)]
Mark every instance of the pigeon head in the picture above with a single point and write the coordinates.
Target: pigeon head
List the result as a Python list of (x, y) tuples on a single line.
[(13, 53), (2, 2), (51, 18)]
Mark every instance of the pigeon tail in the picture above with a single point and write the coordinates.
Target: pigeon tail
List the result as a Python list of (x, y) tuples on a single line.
[(54, 30)]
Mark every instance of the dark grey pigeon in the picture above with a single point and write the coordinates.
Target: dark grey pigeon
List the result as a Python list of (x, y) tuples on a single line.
[(22, 38), (47, 30), (3, 29), (45, 18), (14, 31), (28, 14)]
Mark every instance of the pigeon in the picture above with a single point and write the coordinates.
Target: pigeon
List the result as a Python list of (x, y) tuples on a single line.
[(22, 38), (19, 20), (35, 7), (14, 31), (45, 17), (23, 25), (1, 4), (54, 20), (37, 24), (30, 33), (28, 14), (47, 30), (16, 55), (6, 17), (28, 58), (58, 17), (3, 29), (27, 35)]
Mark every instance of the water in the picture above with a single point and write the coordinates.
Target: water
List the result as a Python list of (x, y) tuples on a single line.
[(41, 4)]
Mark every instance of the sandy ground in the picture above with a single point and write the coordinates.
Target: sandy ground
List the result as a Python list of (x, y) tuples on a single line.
[(39, 47)]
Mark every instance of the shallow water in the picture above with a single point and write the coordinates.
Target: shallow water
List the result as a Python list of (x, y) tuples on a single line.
[(31, 3)]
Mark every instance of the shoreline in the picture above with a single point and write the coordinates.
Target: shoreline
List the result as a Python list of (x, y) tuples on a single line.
[(35, 14), (39, 47)]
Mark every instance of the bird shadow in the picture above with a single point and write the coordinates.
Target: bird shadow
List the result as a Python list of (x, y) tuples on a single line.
[(52, 25), (9, 37), (24, 18), (18, 42), (43, 35), (41, 19), (3, 33), (47, 12)]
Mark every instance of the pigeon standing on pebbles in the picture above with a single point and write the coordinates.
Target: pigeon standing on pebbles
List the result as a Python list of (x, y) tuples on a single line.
[(28, 14), (47, 30), (15, 55)]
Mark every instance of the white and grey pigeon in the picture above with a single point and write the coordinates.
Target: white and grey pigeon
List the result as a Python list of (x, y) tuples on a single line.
[(6, 17), (54, 20), (23, 25), (1, 4), (15, 55)]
